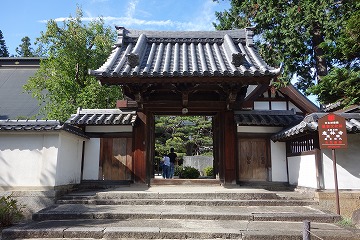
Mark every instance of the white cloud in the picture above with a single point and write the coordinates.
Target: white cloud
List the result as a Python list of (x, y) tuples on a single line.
[(203, 20), (131, 8)]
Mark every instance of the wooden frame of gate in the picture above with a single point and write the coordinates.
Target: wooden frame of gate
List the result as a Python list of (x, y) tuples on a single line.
[(224, 145)]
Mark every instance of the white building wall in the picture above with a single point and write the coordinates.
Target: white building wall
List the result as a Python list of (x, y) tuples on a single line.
[(348, 165), (277, 105), (28, 160), (292, 106), (278, 162), (91, 159), (261, 105), (68, 169), (302, 171)]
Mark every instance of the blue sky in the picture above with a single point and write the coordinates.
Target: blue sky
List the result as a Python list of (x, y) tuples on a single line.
[(22, 18)]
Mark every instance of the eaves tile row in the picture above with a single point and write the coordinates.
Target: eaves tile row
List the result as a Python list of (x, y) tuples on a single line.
[(103, 117)]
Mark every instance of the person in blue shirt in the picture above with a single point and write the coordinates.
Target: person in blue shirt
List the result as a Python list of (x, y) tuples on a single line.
[(166, 167)]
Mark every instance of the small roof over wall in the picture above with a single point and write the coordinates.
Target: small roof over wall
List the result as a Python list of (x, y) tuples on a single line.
[(103, 117), (159, 54), (38, 126), (310, 124)]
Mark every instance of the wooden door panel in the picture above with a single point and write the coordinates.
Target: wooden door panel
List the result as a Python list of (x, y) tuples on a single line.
[(106, 159), (259, 161), (116, 159), (252, 165), (245, 168)]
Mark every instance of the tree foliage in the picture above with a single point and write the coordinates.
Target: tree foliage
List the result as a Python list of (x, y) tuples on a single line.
[(342, 84), (306, 36), (62, 83), (3, 49), (189, 135), (25, 49)]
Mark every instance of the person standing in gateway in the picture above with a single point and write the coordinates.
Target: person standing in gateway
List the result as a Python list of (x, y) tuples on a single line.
[(172, 155)]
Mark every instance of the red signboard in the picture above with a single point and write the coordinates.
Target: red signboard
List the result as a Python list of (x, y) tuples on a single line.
[(332, 132)]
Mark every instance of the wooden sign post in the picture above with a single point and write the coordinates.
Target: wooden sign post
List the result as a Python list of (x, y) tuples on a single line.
[(332, 135)]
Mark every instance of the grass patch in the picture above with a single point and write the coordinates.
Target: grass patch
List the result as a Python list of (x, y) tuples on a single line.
[(346, 222)]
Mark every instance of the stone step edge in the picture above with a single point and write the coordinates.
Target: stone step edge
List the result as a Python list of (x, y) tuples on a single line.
[(168, 233), (198, 202), (322, 218), (184, 195)]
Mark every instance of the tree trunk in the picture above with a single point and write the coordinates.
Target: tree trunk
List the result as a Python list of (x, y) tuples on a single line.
[(320, 60)]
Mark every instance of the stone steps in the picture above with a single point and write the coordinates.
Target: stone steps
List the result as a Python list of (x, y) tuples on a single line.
[(181, 212), (250, 213), (173, 229)]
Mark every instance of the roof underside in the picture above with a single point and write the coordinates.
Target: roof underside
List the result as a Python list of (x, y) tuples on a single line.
[(267, 118), (182, 54)]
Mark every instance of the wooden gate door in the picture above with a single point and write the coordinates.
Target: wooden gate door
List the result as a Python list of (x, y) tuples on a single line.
[(115, 158), (253, 159)]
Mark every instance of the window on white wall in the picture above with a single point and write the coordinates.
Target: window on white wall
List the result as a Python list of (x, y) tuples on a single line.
[(261, 105), (278, 105)]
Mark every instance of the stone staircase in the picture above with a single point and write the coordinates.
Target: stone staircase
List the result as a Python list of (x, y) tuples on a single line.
[(180, 212)]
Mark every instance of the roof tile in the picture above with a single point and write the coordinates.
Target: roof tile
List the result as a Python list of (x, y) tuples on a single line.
[(192, 53)]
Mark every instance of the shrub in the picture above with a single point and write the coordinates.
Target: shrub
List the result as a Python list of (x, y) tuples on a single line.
[(10, 211), (178, 170), (189, 173), (209, 171)]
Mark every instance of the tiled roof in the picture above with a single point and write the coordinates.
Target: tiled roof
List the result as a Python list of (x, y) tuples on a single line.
[(190, 53), (266, 118), (37, 126), (103, 117), (310, 124)]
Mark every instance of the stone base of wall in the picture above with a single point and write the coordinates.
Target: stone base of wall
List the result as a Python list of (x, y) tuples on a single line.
[(349, 201), (35, 199)]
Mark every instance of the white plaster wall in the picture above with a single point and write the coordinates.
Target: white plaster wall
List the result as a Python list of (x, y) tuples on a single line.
[(258, 129), (68, 169), (278, 162), (28, 160), (102, 129), (348, 165), (277, 105), (261, 105), (291, 106), (302, 171), (91, 159)]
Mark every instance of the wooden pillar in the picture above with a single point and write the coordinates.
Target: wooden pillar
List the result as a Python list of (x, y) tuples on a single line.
[(218, 147), (230, 153), (139, 138)]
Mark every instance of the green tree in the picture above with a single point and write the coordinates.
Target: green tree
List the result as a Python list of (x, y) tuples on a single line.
[(342, 84), (295, 33), (25, 49), (62, 83), (189, 135), (3, 49)]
